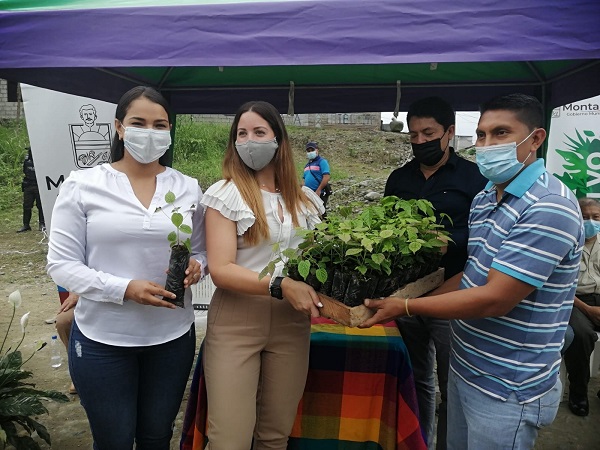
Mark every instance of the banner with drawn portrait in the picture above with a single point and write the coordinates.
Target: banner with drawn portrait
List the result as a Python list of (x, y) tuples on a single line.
[(574, 146), (66, 133)]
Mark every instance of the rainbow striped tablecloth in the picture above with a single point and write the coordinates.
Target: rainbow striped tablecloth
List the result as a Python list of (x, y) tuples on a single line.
[(359, 394)]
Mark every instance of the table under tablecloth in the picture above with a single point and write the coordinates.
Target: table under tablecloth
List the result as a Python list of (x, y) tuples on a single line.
[(359, 394)]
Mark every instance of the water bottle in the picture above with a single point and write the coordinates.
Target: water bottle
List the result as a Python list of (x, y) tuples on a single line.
[(55, 357)]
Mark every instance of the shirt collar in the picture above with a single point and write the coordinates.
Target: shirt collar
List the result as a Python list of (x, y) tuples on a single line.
[(524, 180)]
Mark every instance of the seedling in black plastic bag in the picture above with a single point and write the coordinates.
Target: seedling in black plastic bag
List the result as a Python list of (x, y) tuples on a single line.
[(180, 251)]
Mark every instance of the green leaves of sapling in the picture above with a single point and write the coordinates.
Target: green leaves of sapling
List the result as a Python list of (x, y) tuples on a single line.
[(384, 238), (170, 198), (177, 219), (304, 268), (174, 237)]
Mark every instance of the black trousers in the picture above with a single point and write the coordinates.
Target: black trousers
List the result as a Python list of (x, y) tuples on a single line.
[(31, 196), (577, 356)]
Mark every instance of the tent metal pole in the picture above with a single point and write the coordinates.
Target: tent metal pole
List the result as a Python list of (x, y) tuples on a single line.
[(573, 71), (290, 111), (163, 79), (534, 71), (116, 74)]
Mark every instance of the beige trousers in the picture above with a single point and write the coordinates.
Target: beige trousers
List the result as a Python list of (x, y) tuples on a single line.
[(255, 364)]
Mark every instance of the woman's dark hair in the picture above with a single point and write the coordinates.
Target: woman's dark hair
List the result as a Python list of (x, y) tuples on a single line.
[(117, 148)]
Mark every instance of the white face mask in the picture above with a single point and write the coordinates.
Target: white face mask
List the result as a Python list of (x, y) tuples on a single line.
[(257, 154), (499, 163), (146, 145)]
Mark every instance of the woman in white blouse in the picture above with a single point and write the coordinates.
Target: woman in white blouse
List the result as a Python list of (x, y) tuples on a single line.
[(258, 331), (130, 350)]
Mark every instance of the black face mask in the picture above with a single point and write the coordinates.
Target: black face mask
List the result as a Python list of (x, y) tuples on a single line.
[(428, 153)]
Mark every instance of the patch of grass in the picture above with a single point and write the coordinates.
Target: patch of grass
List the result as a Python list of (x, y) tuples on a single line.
[(199, 150), (13, 141)]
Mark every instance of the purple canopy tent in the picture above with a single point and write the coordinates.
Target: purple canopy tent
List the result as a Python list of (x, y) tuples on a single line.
[(309, 56)]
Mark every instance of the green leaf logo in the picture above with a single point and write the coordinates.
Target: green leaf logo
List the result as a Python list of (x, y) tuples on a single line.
[(575, 156)]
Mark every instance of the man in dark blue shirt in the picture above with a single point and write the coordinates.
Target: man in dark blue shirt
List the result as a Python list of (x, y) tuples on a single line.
[(450, 183)]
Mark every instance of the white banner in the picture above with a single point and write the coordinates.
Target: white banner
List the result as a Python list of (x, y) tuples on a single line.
[(66, 133), (574, 146)]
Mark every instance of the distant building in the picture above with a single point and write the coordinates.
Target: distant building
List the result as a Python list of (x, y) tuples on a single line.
[(307, 120), (461, 142), (9, 100)]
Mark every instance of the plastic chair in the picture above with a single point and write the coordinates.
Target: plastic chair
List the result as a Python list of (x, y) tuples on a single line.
[(201, 294)]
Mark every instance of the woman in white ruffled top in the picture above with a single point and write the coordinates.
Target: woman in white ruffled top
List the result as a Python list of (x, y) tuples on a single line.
[(258, 333)]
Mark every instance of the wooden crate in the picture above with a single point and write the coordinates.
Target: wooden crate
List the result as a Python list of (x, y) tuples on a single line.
[(355, 315)]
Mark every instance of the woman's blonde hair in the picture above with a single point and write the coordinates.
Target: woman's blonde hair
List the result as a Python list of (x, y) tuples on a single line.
[(244, 178)]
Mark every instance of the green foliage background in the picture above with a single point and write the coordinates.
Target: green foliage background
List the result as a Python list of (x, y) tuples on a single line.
[(199, 150), (13, 140)]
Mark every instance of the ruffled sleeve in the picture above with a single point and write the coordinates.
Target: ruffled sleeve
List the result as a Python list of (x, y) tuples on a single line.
[(313, 215), (226, 198)]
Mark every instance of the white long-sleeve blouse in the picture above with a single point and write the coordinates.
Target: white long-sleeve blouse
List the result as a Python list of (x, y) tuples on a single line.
[(102, 237)]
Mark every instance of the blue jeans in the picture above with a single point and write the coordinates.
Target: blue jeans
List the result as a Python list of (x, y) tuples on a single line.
[(477, 421), (131, 393), (427, 338)]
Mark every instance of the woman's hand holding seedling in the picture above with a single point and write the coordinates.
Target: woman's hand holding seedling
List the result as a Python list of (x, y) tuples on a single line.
[(146, 293), (193, 273)]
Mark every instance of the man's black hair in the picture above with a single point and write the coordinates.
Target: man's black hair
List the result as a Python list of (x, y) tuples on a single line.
[(528, 109), (435, 107)]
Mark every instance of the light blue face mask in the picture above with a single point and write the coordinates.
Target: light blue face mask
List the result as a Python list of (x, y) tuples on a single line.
[(591, 228), (499, 163)]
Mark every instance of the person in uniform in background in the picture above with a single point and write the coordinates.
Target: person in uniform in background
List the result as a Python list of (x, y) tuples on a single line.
[(31, 195)]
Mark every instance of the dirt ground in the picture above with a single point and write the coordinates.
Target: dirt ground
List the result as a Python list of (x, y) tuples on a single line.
[(22, 259)]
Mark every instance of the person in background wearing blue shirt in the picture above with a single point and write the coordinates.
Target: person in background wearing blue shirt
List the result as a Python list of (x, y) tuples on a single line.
[(316, 172), (512, 302), (450, 183)]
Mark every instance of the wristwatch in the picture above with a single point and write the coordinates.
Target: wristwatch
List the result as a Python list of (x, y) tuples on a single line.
[(275, 288)]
